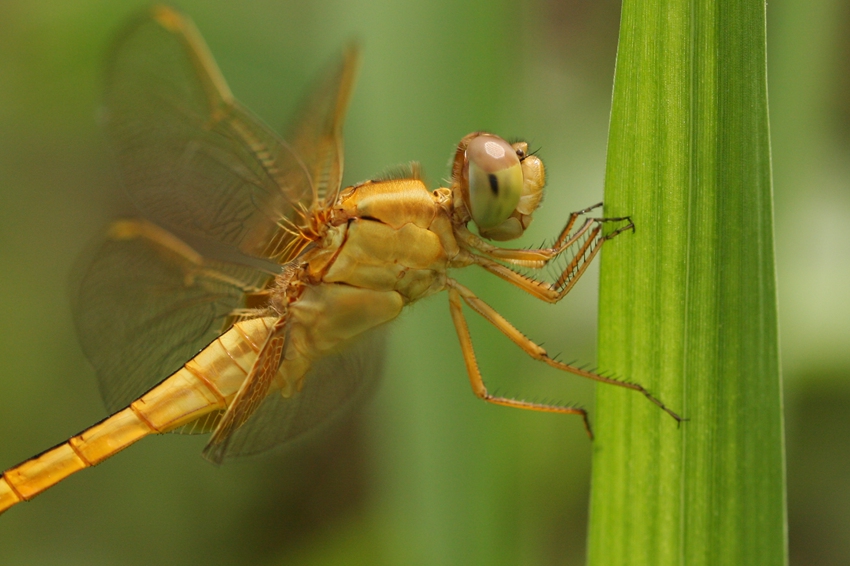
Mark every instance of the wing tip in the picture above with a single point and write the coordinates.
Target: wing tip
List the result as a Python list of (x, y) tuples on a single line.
[(214, 452), (168, 17)]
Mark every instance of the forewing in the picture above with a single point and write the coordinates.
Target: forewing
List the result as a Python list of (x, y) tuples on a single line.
[(334, 385), (146, 303), (191, 157), (316, 132)]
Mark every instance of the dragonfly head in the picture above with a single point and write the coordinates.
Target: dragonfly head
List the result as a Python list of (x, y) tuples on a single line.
[(500, 184)]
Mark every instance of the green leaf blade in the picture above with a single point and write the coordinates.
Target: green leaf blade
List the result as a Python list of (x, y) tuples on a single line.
[(688, 302)]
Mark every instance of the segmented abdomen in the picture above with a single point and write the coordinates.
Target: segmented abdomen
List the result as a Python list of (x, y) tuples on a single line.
[(204, 384)]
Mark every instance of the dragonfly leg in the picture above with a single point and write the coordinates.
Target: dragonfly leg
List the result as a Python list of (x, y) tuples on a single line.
[(477, 381), (533, 258), (554, 292), (539, 257), (456, 290)]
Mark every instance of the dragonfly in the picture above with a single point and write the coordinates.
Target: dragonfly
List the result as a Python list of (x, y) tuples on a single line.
[(249, 301)]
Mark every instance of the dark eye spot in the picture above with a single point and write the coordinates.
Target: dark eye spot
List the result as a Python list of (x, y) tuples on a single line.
[(494, 183)]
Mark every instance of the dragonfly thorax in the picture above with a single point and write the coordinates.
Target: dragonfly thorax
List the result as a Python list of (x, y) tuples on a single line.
[(390, 236)]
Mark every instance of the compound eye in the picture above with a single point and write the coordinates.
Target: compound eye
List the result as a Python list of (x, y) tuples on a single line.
[(495, 180)]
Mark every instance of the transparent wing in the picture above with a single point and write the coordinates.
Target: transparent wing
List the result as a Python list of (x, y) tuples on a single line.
[(192, 158), (146, 303), (253, 391), (334, 385), (316, 133)]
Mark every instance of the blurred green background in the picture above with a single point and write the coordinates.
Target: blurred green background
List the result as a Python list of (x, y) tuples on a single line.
[(425, 473)]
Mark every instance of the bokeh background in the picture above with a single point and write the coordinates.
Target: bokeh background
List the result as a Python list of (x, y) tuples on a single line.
[(424, 473)]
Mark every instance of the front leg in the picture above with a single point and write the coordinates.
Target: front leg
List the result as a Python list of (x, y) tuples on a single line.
[(554, 292), (533, 258)]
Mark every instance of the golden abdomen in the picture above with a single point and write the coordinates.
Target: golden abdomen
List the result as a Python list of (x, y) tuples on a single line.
[(203, 385)]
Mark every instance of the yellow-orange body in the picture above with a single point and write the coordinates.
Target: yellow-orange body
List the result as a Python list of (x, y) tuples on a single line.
[(349, 260), (206, 383), (388, 243)]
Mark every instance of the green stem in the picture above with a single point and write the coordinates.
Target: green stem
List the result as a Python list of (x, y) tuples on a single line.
[(688, 302)]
